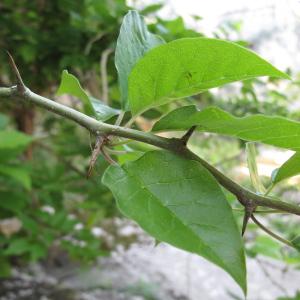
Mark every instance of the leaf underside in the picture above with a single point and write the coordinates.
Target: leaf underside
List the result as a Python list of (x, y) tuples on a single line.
[(275, 131), (179, 202), (289, 169), (133, 42), (188, 66)]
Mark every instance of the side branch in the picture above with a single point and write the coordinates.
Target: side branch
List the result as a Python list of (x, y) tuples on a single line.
[(172, 144)]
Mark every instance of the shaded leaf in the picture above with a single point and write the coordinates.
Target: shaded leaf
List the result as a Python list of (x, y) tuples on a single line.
[(103, 112), (70, 85), (267, 246), (92, 106), (179, 202), (12, 143), (12, 201), (296, 243), (18, 246), (289, 169), (5, 269), (188, 66), (133, 42), (18, 173), (276, 131)]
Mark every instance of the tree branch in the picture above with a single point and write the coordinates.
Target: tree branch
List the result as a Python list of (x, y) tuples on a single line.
[(172, 144)]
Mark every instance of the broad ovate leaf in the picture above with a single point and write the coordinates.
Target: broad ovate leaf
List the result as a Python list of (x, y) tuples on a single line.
[(289, 169), (133, 42), (188, 66), (92, 106), (275, 131), (179, 202)]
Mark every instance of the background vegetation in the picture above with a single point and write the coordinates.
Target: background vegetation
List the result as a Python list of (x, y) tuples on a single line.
[(47, 206)]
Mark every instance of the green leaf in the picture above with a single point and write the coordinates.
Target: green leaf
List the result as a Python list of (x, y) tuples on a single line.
[(267, 246), (150, 9), (102, 111), (289, 169), (188, 66), (92, 106), (5, 269), (179, 202), (70, 85), (275, 131), (12, 143), (11, 201), (296, 243), (20, 174), (252, 166), (18, 246), (133, 42)]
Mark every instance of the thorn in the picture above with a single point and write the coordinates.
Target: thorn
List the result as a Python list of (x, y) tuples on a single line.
[(185, 138), (156, 243), (20, 84), (95, 154), (249, 209)]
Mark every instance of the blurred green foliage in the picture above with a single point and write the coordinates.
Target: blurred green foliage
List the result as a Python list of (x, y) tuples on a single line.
[(46, 203)]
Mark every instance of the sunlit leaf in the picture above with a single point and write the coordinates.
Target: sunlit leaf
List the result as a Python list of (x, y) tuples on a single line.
[(179, 202), (276, 131), (133, 42), (188, 66)]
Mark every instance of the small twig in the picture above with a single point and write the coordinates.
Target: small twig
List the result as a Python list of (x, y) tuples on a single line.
[(120, 118), (92, 41), (20, 84), (114, 152), (185, 138), (103, 69), (271, 233), (131, 121), (107, 157), (95, 154)]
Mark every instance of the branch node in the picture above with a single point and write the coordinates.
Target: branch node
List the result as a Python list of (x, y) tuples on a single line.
[(185, 138), (250, 208), (20, 84), (101, 141)]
